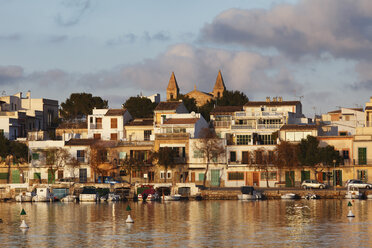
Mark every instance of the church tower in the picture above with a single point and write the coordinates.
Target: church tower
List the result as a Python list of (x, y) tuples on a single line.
[(219, 87), (172, 89)]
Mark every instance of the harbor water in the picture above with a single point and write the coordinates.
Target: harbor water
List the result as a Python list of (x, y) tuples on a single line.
[(270, 223)]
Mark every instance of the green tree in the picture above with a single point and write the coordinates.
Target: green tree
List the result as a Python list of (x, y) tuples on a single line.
[(189, 102), (81, 104), (232, 98), (56, 158), (140, 107), (286, 158), (211, 147), (165, 157), (319, 158)]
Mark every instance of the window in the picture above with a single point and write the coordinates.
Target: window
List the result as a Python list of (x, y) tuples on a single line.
[(114, 123), (147, 134), (362, 175), (266, 139), (362, 155), (97, 136), (232, 156), (245, 156), (80, 156), (258, 156), (243, 139), (236, 176), (99, 123), (345, 154), (163, 174), (35, 156), (60, 174), (343, 133), (271, 175), (198, 154), (122, 155), (114, 136)]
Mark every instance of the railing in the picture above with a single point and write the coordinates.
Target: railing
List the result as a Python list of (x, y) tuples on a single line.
[(136, 143), (242, 127), (269, 126), (257, 114), (222, 123), (172, 135), (96, 126)]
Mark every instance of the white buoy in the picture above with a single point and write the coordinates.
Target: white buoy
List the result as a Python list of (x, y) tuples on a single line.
[(350, 214), (23, 224), (129, 219)]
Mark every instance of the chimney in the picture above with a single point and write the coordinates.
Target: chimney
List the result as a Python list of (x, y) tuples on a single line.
[(280, 99), (268, 99), (28, 96)]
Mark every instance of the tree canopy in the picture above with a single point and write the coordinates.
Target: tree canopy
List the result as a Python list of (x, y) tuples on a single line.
[(232, 98), (140, 107), (17, 150), (81, 104), (311, 154)]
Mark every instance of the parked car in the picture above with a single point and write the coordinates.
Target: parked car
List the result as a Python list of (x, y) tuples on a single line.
[(312, 184), (358, 184)]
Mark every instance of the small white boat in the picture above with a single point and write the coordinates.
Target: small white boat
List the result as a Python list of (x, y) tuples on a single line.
[(245, 197), (175, 197), (113, 197), (311, 196), (153, 197), (43, 194), (289, 196), (24, 197), (69, 198), (89, 194), (353, 193)]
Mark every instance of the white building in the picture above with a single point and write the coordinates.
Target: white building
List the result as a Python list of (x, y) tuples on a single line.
[(343, 122), (108, 124)]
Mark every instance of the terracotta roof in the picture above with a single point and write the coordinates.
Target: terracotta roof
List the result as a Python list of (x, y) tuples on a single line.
[(181, 121), (115, 112), (299, 127), (171, 105), (226, 109), (69, 125), (368, 107), (141, 122), (272, 103), (80, 142)]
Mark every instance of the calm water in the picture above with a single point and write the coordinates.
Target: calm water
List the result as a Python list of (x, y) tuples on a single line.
[(272, 223)]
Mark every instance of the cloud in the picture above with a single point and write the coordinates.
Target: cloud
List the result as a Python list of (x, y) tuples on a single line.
[(58, 38), (72, 13), (342, 28), (246, 71), (132, 38), (10, 74), (10, 37)]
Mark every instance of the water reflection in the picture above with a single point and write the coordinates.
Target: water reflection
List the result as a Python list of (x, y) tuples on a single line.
[(189, 224)]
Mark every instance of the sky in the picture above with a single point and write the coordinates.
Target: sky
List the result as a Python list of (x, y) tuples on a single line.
[(316, 51)]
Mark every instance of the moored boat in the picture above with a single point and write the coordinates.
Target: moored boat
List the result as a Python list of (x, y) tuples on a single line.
[(43, 194), (24, 197), (353, 193), (89, 194), (289, 196)]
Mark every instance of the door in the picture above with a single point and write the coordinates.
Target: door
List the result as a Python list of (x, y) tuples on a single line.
[(215, 178), (289, 178), (244, 157), (256, 179), (249, 179), (337, 177), (83, 175), (193, 177), (16, 177), (305, 175)]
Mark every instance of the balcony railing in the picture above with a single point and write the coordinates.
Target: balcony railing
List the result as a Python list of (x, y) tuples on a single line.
[(96, 126), (257, 114), (242, 127)]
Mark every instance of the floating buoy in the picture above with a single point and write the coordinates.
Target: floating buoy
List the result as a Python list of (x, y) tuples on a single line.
[(129, 219), (350, 214), (23, 225)]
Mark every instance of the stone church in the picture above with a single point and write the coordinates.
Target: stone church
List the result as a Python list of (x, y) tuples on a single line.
[(200, 97)]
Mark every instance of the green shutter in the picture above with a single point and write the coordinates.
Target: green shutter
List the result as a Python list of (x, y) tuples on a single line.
[(215, 178), (201, 176), (37, 175), (16, 177), (35, 156), (362, 156), (305, 175), (3, 176)]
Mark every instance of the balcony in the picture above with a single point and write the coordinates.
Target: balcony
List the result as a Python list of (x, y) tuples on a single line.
[(136, 143), (258, 114), (175, 136), (96, 126), (235, 127), (222, 124)]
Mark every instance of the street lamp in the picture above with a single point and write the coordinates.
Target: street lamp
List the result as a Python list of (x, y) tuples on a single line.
[(334, 174)]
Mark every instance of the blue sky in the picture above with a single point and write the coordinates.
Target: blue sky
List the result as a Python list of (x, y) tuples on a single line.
[(318, 51)]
